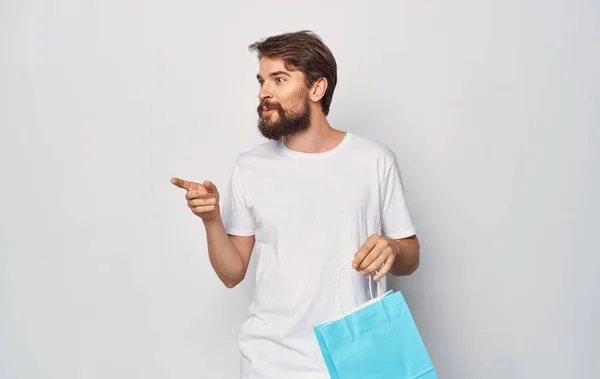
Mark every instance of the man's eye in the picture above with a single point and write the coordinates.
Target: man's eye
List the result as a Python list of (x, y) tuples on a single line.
[(280, 80), (260, 83)]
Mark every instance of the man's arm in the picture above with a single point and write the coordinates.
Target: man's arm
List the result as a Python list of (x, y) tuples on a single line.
[(407, 256), (229, 255)]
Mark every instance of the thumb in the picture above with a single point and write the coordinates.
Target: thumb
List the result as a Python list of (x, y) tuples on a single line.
[(210, 187)]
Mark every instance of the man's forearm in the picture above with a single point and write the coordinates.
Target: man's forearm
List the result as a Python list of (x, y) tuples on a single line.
[(224, 257), (407, 256)]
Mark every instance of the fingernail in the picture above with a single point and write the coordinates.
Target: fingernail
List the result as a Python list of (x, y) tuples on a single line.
[(354, 265)]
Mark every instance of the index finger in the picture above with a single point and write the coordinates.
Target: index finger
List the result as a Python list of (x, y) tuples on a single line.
[(185, 184)]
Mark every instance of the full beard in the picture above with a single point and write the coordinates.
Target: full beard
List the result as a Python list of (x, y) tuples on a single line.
[(287, 124)]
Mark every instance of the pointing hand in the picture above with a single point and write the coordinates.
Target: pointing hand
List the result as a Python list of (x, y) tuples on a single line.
[(202, 199)]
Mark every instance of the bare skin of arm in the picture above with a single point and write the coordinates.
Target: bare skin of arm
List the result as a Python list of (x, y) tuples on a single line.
[(229, 254)]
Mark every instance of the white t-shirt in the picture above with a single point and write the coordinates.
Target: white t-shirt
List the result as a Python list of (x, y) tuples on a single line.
[(310, 213)]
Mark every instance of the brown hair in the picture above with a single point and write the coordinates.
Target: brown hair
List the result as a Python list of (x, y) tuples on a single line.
[(304, 51)]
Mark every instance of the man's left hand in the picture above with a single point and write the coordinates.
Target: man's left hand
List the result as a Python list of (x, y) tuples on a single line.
[(377, 253)]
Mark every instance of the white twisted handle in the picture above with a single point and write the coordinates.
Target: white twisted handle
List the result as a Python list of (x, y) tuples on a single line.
[(336, 284)]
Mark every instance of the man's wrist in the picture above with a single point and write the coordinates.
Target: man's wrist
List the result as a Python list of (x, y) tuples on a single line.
[(397, 257), (211, 223)]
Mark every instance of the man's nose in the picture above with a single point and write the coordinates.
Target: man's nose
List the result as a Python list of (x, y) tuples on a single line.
[(264, 93)]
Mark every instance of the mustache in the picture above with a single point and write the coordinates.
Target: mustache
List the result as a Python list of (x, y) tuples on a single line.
[(268, 105)]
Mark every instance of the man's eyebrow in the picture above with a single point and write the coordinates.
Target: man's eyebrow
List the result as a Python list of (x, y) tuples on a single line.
[(276, 73)]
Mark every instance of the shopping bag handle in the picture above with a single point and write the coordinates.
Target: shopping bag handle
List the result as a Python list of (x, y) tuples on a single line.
[(336, 284)]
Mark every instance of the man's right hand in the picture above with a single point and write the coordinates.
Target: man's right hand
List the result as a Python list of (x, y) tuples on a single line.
[(202, 199)]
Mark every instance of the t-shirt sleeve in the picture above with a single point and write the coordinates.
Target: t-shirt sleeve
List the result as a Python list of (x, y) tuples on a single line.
[(236, 214), (396, 220)]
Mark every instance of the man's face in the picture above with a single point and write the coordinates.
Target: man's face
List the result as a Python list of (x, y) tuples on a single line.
[(284, 107)]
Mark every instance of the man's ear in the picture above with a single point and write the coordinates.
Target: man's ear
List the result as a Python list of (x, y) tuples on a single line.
[(317, 90)]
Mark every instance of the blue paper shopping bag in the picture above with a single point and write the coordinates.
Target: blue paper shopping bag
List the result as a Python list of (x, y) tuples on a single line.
[(378, 341)]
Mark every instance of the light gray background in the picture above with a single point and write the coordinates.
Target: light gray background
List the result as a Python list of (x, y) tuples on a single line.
[(492, 108)]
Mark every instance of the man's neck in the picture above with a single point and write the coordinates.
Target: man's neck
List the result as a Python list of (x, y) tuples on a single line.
[(320, 137)]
